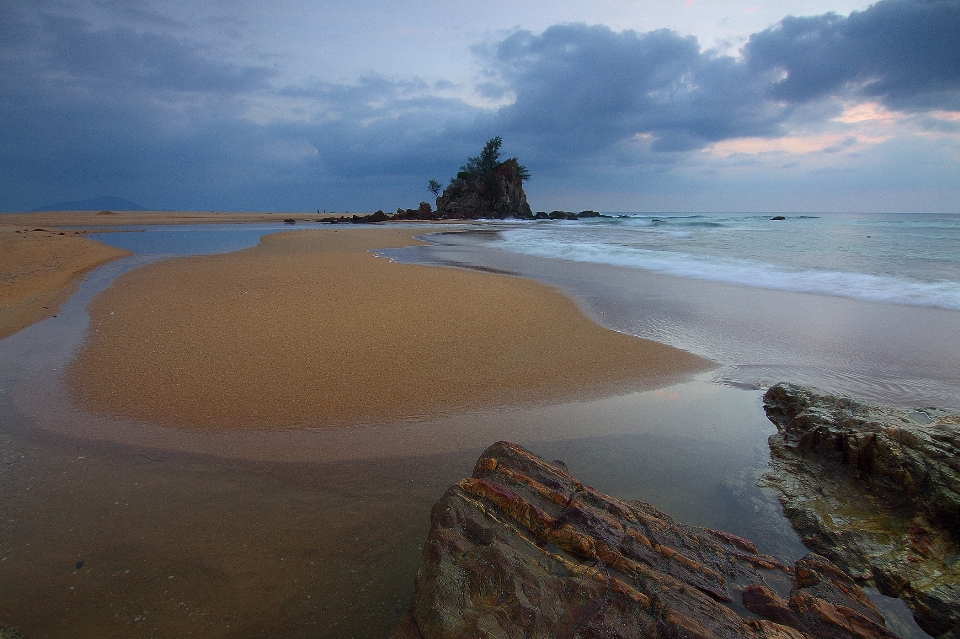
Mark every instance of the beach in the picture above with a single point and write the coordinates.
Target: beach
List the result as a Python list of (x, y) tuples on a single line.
[(250, 443), (248, 499), (310, 329), (40, 269)]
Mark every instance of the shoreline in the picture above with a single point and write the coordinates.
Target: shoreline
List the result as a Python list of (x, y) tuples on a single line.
[(310, 329), (40, 269), (80, 219)]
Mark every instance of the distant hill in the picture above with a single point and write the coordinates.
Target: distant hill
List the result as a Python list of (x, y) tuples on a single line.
[(102, 203)]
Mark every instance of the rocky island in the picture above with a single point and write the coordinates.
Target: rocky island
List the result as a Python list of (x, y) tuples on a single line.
[(486, 187), (522, 549)]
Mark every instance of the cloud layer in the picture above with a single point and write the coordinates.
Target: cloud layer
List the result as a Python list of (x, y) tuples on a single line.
[(141, 110)]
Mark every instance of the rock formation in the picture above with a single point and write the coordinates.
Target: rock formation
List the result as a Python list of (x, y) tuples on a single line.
[(875, 490), (498, 195), (522, 549)]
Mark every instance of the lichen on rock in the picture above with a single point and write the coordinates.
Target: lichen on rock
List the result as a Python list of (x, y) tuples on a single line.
[(877, 491)]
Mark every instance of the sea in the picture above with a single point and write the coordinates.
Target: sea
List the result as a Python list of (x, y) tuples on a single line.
[(117, 528), (861, 304)]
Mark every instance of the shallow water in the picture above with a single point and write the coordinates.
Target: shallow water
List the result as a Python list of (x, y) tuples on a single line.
[(895, 354), (111, 528)]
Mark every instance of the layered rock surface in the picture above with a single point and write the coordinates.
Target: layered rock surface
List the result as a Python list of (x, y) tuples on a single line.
[(498, 196), (877, 491), (522, 549)]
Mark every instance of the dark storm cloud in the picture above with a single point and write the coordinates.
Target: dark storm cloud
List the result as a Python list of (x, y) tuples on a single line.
[(584, 88), (124, 59), (379, 126), (905, 53), (139, 110), (89, 111)]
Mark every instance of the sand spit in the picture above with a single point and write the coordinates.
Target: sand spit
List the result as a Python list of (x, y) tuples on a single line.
[(149, 218), (40, 268), (311, 329)]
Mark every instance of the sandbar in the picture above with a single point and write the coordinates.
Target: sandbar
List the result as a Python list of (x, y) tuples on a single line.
[(152, 218), (310, 329), (40, 268)]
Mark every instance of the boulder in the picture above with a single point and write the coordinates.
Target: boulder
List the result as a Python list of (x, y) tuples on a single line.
[(877, 491), (523, 549)]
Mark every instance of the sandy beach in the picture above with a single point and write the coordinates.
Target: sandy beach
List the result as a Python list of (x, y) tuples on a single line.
[(311, 329), (40, 268)]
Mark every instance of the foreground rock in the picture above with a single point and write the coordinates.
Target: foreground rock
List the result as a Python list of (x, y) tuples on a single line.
[(522, 549), (875, 490)]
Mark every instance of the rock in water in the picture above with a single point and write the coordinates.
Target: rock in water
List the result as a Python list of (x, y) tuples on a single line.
[(522, 549), (877, 491)]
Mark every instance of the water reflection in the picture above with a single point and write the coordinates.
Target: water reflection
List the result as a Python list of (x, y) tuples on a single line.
[(117, 528)]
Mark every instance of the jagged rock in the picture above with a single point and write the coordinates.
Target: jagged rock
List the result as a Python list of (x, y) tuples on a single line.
[(522, 549), (877, 491), (499, 197), (423, 212)]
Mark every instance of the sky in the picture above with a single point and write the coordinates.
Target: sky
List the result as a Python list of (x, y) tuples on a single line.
[(354, 105)]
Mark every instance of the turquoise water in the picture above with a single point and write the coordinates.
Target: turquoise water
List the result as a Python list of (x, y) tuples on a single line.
[(899, 259)]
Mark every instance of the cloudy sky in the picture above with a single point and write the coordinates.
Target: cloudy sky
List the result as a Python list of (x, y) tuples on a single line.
[(614, 105)]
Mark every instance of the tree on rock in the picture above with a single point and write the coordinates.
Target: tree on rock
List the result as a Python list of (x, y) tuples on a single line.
[(487, 186)]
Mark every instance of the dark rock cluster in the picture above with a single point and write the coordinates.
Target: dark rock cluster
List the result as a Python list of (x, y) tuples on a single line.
[(522, 549), (425, 213), (877, 491)]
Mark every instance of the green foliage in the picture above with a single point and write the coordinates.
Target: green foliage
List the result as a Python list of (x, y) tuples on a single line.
[(434, 187), (484, 167)]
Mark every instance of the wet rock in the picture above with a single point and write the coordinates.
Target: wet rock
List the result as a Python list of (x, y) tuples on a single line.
[(522, 549), (877, 491), (9, 632)]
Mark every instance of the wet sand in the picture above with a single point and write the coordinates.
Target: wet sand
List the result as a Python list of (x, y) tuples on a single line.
[(110, 539), (311, 329), (141, 218), (40, 269), (300, 534)]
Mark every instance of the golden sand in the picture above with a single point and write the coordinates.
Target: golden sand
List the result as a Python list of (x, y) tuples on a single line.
[(40, 269), (309, 328)]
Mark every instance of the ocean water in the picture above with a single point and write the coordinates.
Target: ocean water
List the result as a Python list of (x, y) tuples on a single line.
[(866, 305), (893, 258)]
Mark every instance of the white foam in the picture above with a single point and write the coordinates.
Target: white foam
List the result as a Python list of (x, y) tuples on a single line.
[(862, 286)]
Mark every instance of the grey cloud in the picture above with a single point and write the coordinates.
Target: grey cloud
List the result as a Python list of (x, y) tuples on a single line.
[(582, 90), (903, 52), (585, 88), (156, 117), (122, 57)]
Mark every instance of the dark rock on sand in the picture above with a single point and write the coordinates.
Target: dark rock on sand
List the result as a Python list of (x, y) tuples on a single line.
[(877, 491), (522, 549)]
